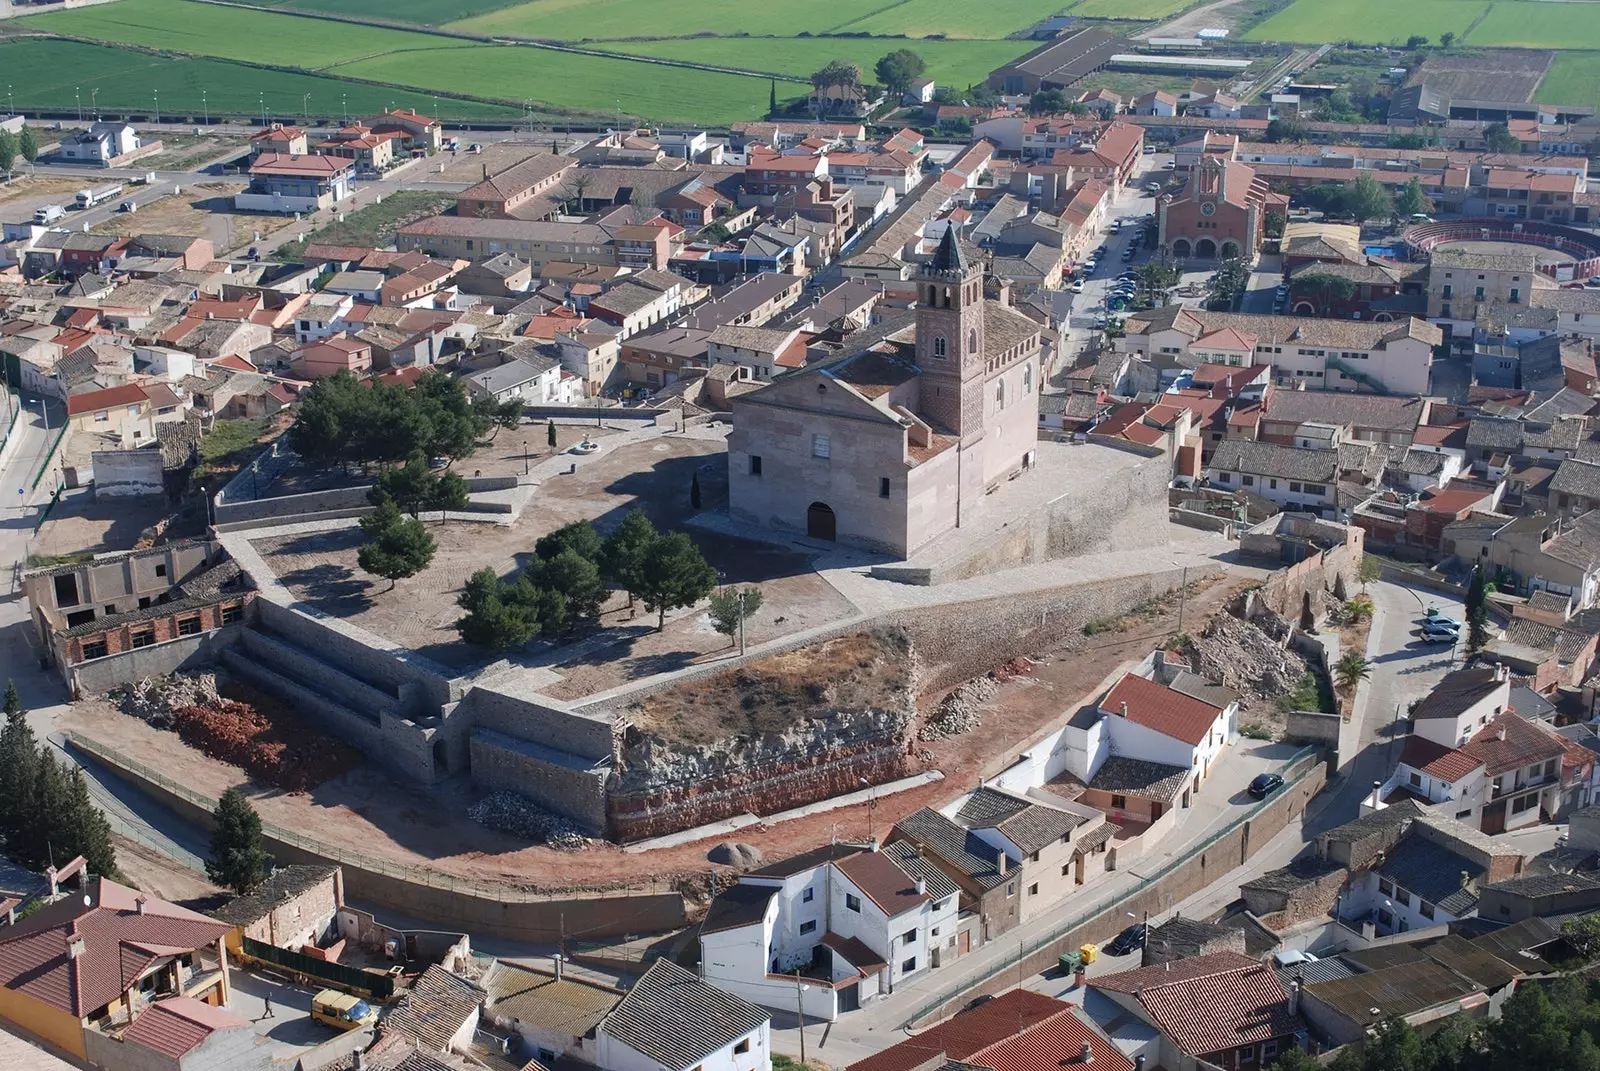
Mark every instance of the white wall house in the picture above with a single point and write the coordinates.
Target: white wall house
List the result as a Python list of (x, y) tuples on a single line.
[(1446, 777), (672, 1021), (1461, 704), (1291, 477), (850, 921), (323, 317)]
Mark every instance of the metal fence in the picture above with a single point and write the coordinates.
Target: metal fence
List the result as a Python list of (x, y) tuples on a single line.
[(44, 465), (1113, 901), (338, 975), (344, 856)]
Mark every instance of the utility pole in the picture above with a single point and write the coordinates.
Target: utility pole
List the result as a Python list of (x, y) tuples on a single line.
[(205, 108), (305, 107), (1183, 594), (157, 93)]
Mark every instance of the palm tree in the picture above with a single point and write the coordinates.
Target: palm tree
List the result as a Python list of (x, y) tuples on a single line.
[(1351, 670)]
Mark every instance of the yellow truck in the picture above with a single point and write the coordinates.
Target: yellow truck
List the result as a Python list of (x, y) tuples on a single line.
[(342, 1011)]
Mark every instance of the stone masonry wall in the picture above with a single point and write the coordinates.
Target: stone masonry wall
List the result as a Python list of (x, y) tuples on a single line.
[(762, 789), (362, 654), (536, 717), (501, 762)]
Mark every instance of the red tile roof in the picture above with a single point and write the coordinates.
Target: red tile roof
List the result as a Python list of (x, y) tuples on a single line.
[(110, 398), (118, 944), (1510, 741), (277, 163), (1436, 760), (1210, 1004), (235, 362), (967, 1032), (1051, 1045), (174, 1026), (884, 883), (1162, 709)]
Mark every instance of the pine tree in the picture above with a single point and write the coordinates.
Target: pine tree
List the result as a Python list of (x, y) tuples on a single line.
[(13, 702), (398, 546), (694, 491), (673, 574), (85, 830), (239, 859), (772, 106), (625, 549)]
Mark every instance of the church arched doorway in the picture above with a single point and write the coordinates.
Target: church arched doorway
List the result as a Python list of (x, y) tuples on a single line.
[(1180, 248), (1205, 249), (821, 523), (1230, 249)]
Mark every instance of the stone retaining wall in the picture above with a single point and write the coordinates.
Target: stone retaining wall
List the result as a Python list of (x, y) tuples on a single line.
[(565, 787)]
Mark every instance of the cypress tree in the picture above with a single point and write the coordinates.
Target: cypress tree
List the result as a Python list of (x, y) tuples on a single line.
[(772, 106), (86, 831), (43, 836), (694, 491), (19, 757)]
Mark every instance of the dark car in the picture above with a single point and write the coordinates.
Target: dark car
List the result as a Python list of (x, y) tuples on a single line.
[(978, 1002), (1264, 785), (1127, 940)]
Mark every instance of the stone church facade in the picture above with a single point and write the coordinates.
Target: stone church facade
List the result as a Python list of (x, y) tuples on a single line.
[(891, 445)]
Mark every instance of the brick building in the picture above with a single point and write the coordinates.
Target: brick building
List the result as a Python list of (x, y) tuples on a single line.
[(1222, 212)]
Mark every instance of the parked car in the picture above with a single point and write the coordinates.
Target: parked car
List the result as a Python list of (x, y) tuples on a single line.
[(1076, 286), (1440, 635), (1264, 785), (1439, 621), (1290, 956), (1170, 165), (1128, 940)]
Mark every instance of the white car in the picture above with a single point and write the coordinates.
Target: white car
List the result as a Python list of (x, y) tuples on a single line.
[(1076, 288)]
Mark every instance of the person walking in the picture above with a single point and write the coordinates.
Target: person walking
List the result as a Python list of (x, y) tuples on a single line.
[(267, 1012)]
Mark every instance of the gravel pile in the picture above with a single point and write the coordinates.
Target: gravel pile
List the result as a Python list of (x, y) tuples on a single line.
[(959, 712), (1240, 656), (154, 699), (516, 814)]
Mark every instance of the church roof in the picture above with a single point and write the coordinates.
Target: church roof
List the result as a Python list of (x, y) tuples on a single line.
[(949, 257)]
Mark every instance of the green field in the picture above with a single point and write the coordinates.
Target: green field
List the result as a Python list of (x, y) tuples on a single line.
[(1574, 78), (1532, 24), (421, 12), (650, 91), (1309, 22), (955, 63), (953, 18), (599, 20), (53, 74), (1127, 9), (232, 33)]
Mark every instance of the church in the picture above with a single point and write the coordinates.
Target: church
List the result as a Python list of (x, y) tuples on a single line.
[(897, 441)]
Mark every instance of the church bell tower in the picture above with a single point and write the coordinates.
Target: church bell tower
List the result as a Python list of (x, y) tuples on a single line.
[(950, 339)]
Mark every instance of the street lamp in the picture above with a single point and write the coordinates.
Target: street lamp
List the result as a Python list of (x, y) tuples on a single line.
[(77, 95), (94, 106), (872, 806), (1183, 594), (157, 93), (800, 1012), (205, 109), (305, 106), (525, 457)]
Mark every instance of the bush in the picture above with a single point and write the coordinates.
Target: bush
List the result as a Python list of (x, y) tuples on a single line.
[(1256, 732)]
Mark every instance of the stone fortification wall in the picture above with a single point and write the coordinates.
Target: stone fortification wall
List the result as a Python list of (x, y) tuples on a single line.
[(558, 781)]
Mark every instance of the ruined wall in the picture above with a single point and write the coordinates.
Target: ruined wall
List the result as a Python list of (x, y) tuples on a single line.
[(556, 781), (957, 642), (127, 472), (1285, 588)]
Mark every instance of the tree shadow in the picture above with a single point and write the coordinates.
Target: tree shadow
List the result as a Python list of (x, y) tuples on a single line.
[(331, 586)]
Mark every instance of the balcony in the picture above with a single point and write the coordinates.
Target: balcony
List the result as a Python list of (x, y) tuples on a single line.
[(1524, 784)]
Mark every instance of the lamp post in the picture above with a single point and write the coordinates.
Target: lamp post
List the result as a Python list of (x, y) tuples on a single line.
[(205, 108), (800, 1012), (1183, 594), (872, 806), (525, 457), (305, 107), (94, 106), (77, 95), (157, 93)]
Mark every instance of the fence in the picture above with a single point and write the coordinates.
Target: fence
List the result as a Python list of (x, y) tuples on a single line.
[(1304, 759), (344, 856), (44, 465), (351, 979)]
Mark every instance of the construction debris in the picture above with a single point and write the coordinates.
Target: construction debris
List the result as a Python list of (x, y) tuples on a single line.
[(156, 699), (736, 854), (516, 814), (1242, 657), (960, 711)]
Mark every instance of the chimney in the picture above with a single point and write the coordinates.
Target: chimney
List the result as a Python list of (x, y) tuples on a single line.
[(1466, 879), (1138, 1062), (1086, 1054), (142, 903), (1124, 710), (1377, 787), (872, 845), (1000, 862), (1294, 995), (556, 960), (1005, 292), (922, 886), (75, 947), (1500, 671), (1501, 734)]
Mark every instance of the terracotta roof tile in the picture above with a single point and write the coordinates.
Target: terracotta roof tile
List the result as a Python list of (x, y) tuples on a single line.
[(1210, 1004), (884, 883), (1162, 709), (968, 1032), (1436, 760)]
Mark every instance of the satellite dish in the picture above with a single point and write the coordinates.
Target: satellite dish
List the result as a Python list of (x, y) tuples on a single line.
[(86, 901)]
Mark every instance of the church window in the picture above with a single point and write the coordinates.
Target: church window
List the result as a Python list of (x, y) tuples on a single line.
[(972, 340), (755, 464), (1000, 395), (883, 487), (1027, 379), (939, 347)]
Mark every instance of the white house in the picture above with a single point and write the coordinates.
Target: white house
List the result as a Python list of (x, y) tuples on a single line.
[(1461, 704), (1142, 719), (1433, 773), (323, 316), (833, 928), (100, 144), (1293, 477), (533, 377), (672, 1021)]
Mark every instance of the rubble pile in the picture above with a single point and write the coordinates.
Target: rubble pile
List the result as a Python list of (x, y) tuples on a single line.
[(1240, 656), (959, 712), (516, 814), (156, 699), (293, 759)]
